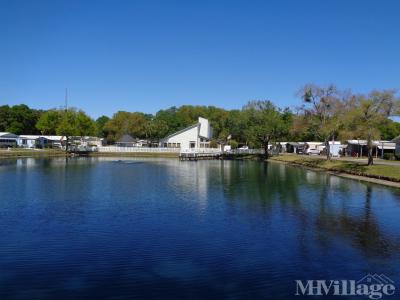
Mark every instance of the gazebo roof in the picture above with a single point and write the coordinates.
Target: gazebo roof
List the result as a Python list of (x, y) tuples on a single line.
[(126, 138)]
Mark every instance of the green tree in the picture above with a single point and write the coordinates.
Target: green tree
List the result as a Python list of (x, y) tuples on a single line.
[(4, 117), (21, 119), (265, 123), (100, 126), (66, 123), (49, 121), (169, 117), (368, 113), (85, 126), (389, 130), (236, 125), (234, 144), (123, 122), (156, 129), (67, 126)]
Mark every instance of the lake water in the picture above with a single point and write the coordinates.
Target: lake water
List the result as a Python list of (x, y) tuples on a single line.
[(103, 228)]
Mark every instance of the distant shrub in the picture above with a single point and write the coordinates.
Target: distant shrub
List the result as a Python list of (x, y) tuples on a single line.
[(389, 156), (213, 144), (234, 144)]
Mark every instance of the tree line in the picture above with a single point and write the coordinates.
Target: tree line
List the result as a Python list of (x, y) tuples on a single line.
[(324, 113)]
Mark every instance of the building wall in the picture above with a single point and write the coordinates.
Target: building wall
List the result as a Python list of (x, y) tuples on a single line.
[(205, 128), (334, 149), (26, 143), (183, 139)]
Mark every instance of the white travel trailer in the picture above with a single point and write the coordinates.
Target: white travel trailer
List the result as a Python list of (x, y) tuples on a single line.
[(314, 147), (192, 137)]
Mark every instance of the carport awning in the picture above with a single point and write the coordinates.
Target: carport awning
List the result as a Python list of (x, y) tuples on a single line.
[(387, 147)]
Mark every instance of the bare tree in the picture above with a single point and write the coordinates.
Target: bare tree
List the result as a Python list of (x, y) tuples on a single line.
[(321, 112)]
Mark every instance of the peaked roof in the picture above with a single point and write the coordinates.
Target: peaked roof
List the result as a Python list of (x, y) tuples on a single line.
[(48, 137), (396, 139), (182, 130), (126, 138)]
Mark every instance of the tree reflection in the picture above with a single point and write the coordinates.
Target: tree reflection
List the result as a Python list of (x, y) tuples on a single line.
[(363, 230), (319, 202), (260, 186)]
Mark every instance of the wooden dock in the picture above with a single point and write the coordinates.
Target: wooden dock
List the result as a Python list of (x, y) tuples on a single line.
[(81, 150), (199, 155)]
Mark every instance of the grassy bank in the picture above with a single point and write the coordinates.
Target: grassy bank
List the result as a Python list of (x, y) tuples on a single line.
[(135, 154), (44, 153), (13, 153), (382, 172)]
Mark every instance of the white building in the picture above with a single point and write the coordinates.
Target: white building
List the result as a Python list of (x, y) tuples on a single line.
[(41, 141), (195, 136), (314, 146), (358, 148), (88, 141), (335, 147), (28, 141), (397, 143)]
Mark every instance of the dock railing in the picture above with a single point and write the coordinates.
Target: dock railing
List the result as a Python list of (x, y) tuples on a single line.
[(201, 151), (245, 151), (211, 151), (118, 149)]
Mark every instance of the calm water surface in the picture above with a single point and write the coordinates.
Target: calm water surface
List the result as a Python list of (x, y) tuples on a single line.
[(158, 229)]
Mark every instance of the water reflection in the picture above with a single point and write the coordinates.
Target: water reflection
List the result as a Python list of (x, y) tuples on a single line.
[(146, 228), (322, 204), (361, 229)]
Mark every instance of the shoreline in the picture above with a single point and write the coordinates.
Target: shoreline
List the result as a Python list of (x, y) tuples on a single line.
[(343, 174), (56, 153), (391, 182), (31, 154)]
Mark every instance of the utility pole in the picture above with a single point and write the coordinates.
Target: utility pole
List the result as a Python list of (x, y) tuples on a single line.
[(66, 99), (65, 112)]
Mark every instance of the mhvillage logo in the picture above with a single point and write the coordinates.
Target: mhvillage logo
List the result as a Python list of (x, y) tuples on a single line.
[(372, 286)]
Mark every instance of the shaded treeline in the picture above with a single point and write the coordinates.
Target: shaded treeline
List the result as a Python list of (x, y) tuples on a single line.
[(322, 114), (19, 119)]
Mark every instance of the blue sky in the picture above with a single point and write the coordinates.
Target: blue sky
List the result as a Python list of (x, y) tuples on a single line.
[(149, 55)]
